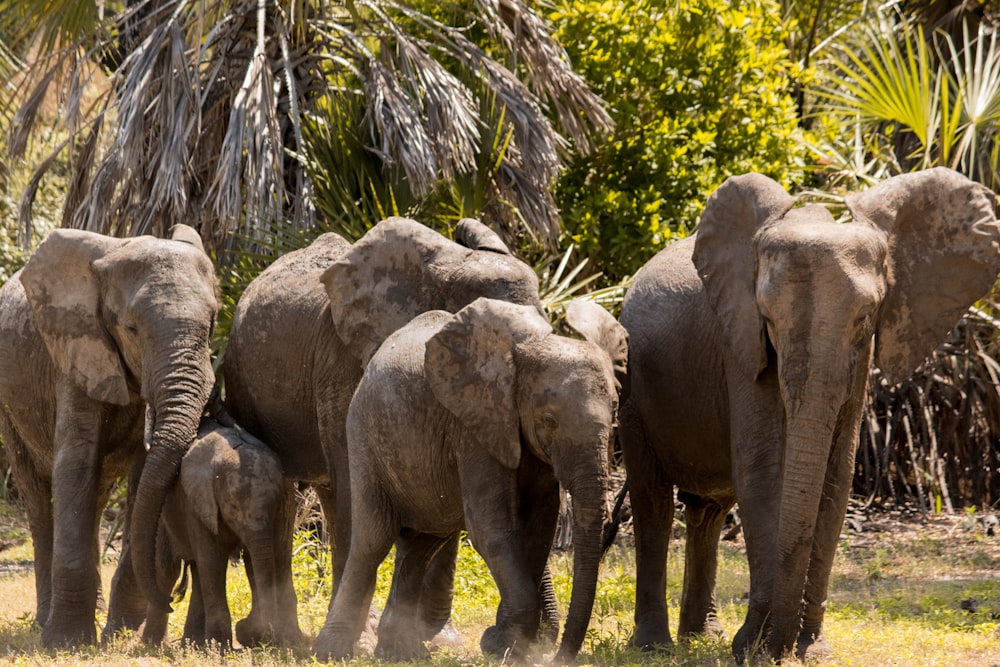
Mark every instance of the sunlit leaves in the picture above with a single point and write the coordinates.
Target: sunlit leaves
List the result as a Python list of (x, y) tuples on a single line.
[(700, 90)]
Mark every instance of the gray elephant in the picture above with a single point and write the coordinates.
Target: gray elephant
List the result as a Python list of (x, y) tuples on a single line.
[(305, 328), (750, 351), (230, 493), (472, 421), (92, 331)]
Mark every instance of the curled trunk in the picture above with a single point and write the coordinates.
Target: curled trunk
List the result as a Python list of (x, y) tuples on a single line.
[(176, 407)]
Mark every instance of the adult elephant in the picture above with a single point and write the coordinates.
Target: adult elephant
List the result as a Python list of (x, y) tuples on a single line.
[(99, 335), (305, 328), (472, 421), (750, 347)]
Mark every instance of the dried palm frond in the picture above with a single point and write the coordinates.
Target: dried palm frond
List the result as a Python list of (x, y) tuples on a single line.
[(931, 440), (202, 111)]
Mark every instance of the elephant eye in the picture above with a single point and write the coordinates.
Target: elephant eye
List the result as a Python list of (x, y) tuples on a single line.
[(549, 420)]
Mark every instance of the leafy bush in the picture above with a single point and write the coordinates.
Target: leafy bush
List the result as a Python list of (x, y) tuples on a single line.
[(699, 90)]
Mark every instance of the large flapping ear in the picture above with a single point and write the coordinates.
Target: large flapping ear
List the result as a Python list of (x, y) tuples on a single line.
[(943, 255), (65, 296), (476, 236), (470, 366), (725, 257), (597, 325), (377, 286), (188, 235)]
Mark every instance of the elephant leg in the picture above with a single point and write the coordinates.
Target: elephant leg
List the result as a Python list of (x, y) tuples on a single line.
[(369, 547), (213, 560), (287, 623), (652, 517), (36, 493), (250, 631), (400, 630), (438, 591), (756, 465), (705, 518), (194, 624), (539, 503), (338, 528), (126, 603), (273, 616), (75, 575), (493, 525)]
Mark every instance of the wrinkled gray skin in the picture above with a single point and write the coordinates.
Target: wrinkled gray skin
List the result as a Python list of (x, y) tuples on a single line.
[(92, 330), (305, 328), (472, 421), (750, 346), (230, 492)]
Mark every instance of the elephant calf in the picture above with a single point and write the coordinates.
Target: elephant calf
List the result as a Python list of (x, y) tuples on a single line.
[(472, 421), (230, 492)]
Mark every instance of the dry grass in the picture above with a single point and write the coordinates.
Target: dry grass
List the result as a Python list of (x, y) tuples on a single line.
[(904, 592)]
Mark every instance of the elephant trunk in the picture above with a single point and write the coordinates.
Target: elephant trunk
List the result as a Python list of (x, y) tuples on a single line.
[(589, 495), (178, 392), (808, 443)]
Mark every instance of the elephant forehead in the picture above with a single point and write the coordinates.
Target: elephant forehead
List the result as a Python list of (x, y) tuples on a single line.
[(810, 238)]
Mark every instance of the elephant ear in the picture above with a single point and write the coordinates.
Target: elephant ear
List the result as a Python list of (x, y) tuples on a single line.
[(725, 258), (943, 255), (598, 326), (476, 236), (377, 286), (186, 234), (65, 296), (471, 368), (197, 479)]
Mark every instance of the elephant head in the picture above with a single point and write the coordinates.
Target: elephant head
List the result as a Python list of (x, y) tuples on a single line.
[(800, 295), (129, 320), (401, 268), (499, 368)]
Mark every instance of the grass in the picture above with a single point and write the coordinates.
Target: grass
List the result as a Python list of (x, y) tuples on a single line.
[(906, 594)]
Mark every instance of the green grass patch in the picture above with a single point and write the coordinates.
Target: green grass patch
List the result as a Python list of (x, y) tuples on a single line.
[(911, 597)]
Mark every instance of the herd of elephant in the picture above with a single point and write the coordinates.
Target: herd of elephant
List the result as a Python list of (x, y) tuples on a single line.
[(416, 384)]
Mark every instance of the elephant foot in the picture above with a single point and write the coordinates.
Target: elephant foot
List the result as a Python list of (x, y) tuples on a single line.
[(710, 627), (650, 639), (749, 642), (68, 635), (119, 623), (497, 643), (400, 648), (250, 633), (812, 647), (330, 647)]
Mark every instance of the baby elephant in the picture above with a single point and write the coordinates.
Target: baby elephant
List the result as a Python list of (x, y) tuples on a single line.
[(473, 421), (230, 492)]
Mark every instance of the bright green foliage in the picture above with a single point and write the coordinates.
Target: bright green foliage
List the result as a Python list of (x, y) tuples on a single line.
[(11, 256), (699, 90)]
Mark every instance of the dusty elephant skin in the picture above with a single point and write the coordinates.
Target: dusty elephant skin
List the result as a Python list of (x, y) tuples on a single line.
[(230, 492), (93, 330), (473, 420), (304, 329), (750, 345)]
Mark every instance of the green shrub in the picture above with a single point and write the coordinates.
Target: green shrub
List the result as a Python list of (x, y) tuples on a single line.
[(699, 90)]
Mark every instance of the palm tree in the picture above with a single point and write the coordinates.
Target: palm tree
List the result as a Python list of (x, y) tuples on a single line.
[(193, 111)]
